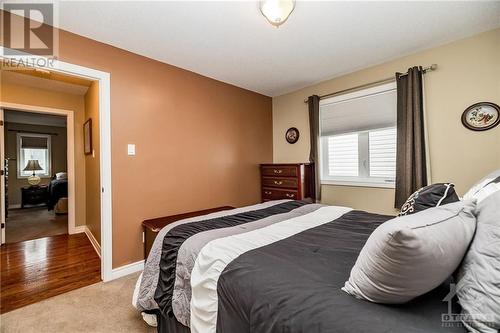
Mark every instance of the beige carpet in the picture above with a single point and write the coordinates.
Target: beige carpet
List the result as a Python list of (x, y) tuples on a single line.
[(32, 223), (101, 307)]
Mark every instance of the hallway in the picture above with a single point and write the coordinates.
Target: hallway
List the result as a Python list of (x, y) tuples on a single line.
[(38, 269)]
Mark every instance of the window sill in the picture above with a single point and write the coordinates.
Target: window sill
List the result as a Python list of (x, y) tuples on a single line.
[(358, 184)]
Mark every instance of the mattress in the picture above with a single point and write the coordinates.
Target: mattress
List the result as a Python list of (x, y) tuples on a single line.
[(273, 267)]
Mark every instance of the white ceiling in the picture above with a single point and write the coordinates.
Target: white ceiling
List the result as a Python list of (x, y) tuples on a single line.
[(232, 41), (19, 78)]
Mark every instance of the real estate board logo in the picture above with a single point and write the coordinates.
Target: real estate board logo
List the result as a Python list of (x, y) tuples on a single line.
[(455, 318), (28, 29)]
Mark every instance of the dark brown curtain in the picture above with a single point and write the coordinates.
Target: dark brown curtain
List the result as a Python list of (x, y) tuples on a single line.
[(411, 170), (313, 102)]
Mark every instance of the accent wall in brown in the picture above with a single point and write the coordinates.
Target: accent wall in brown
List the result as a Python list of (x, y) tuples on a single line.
[(199, 142)]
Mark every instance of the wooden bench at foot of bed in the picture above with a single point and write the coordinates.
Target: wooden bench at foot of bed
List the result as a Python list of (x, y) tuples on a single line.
[(153, 226)]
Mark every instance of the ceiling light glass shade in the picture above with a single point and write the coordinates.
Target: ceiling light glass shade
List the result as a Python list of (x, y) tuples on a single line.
[(277, 11)]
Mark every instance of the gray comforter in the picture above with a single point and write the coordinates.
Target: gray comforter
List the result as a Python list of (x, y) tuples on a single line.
[(189, 251), (273, 268)]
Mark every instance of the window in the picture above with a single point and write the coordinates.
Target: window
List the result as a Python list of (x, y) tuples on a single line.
[(358, 137), (33, 147)]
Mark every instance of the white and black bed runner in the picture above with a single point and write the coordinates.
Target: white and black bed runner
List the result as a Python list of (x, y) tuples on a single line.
[(175, 237)]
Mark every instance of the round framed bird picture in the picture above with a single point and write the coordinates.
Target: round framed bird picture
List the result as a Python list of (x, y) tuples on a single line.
[(481, 116), (292, 135)]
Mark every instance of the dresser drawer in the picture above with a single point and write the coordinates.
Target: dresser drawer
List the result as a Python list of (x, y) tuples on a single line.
[(279, 170), (276, 194), (280, 182)]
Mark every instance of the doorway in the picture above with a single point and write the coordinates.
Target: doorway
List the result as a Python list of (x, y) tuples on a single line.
[(13, 161), (36, 175), (33, 270), (104, 156)]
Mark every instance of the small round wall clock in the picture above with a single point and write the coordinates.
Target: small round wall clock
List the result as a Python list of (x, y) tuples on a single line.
[(292, 135), (481, 116)]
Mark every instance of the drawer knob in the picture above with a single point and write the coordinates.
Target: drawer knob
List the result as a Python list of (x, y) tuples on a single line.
[(278, 171), (268, 192), (278, 182), (289, 195)]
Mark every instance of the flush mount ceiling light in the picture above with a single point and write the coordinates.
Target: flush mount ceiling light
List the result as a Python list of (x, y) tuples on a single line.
[(277, 11)]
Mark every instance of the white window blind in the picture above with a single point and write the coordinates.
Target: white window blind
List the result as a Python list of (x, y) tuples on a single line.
[(382, 150), (364, 110), (343, 155), (358, 137), (33, 147)]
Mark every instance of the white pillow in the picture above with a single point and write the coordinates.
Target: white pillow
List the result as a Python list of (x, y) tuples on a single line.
[(476, 188), (410, 255), (61, 175), (487, 191)]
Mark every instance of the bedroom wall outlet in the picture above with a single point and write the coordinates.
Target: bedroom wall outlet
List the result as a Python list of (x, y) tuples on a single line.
[(131, 149)]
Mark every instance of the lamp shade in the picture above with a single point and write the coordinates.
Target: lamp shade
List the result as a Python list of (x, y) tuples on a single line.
[(32, 165)]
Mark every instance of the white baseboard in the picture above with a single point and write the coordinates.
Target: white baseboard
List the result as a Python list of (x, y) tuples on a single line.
[(94, 241), (127, 269), (78, 229)]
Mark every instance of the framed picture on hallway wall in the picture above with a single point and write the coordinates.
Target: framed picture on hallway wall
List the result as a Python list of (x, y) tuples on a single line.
[(87, 137)]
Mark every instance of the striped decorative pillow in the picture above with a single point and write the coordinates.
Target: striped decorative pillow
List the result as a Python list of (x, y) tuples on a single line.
[(434, 195)]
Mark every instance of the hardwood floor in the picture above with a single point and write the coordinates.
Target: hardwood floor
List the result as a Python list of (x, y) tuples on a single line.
[(38, 269)]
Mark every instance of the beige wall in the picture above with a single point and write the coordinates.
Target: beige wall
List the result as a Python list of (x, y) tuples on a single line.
[(58, 149), (199, 141), (92, 165), (12, 93), (468, 72)]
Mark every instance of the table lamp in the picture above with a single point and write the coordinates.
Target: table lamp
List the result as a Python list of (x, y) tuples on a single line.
[(33, 165)]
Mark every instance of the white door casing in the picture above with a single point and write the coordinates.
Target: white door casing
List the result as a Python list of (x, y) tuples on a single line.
[(104, 80), (2, 177)]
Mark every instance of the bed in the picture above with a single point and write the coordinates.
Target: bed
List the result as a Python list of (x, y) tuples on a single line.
[(273, 267), (58, 189)]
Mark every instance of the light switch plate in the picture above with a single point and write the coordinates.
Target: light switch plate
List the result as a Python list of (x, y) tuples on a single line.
[(131, 149)]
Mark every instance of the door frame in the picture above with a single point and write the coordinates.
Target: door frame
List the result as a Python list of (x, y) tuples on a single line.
[(104, 80), (2, 178), (70, 154)]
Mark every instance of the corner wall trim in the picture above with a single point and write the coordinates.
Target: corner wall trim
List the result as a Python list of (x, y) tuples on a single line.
[(78, 230), (127, 269), (94, 241)]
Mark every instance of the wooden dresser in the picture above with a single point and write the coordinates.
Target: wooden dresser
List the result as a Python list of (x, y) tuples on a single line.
[(287, 181)]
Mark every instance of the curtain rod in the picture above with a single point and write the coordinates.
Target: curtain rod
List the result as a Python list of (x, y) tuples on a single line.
[(32, 132), (371, 84)]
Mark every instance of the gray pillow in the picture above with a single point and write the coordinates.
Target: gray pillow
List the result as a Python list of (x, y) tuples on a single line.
[(478, 287), (477, 187), (410, 255)]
